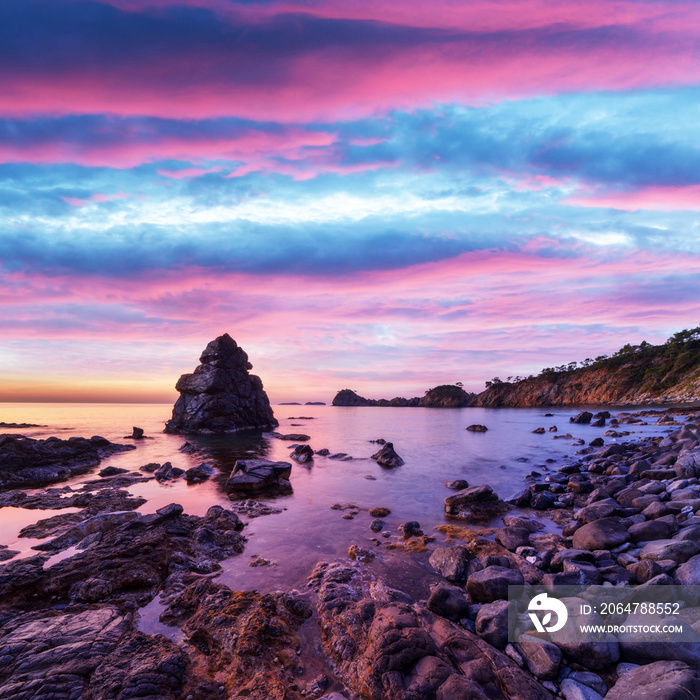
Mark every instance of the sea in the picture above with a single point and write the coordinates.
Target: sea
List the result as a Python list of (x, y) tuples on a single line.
[(434, 444)]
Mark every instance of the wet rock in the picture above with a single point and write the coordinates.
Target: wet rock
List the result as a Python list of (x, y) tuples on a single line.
[(97, 524), (651, 530), (592, 680), (662, 680), (127, 562), (457, 485), (379, 512), (385, 648), (688, 574), (543, 500), (642, 646), (112, 471), (249, 639), (477, 428), (167, 472), (220, 396), (606, 533), (292, 437), (678, 551), (359, 554), (52, 654), (26, 462), (387, 457), (513, 537), (474, 503), (302, 454), (597, 650), (259, 474), (573, 690), (538, 431), (448, 601), (582, 418), (198, 474), (451, 562), (411, 529), (492, 623), (377, 525), (141, 666), (541, 657), (530, 524), (521, 499), (492, 583), (136, 433), (604, 508)]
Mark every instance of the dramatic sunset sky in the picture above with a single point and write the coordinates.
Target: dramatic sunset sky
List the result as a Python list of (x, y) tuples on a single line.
[(375, 194)]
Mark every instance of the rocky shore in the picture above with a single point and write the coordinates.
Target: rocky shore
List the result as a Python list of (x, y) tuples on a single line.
[(25, 461), (620, 515)]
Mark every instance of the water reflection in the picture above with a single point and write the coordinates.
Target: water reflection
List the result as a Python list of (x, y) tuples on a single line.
[(434, 443)]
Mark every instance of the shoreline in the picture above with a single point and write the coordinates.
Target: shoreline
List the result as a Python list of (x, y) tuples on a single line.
[(456, 554)]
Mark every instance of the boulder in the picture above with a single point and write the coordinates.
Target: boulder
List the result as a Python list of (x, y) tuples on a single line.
[(492, 623), (541, 657), (292, 437), (641, 646), (477, 428), (583, 418), (387, 457), (662, 680), (513, 537), (258, 474), (451, 562), (676, 550), (651, 530), (221, 396), (302, 454), (606, 533), (574, 690), (604, 508), (474, 503), (492, 583), (198, 474), (457, 484), (449, 601), (596, 650), (544, 500), (688, 574)]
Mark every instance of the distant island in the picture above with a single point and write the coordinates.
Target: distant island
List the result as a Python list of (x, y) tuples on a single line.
[(634, 375), (443, 396)]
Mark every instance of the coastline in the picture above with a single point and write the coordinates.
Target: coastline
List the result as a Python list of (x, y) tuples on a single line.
[(461, 549)]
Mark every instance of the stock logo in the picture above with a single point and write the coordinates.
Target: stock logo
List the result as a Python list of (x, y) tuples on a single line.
[(543, 604)]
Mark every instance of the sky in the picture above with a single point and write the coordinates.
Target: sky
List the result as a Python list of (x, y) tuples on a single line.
[(365, 194)]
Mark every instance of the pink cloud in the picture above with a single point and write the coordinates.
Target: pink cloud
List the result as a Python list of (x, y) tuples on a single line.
[(96, 197), (304, 84), (479, 15), (657, 198), (75, 201), (130, 148), (187, 172)]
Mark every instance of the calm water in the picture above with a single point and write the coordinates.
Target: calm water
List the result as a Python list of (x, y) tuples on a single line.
[(433, 442)]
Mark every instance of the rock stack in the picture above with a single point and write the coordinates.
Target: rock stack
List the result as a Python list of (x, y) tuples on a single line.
[(221, 396)]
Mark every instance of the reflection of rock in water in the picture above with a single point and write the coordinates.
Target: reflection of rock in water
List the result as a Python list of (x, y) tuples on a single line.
[(220, 396)]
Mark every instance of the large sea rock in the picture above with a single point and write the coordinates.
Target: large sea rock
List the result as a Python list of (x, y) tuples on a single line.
[(221, 396)]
